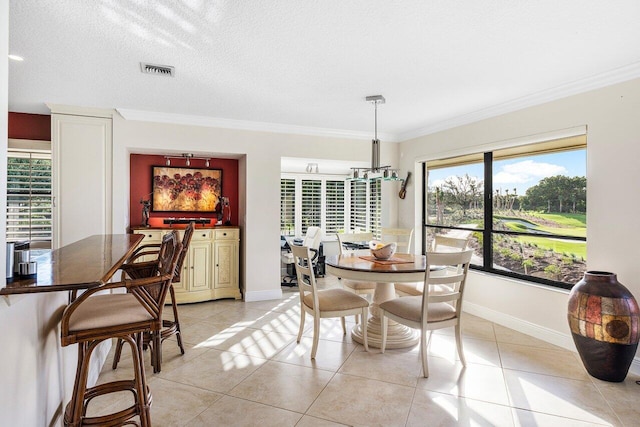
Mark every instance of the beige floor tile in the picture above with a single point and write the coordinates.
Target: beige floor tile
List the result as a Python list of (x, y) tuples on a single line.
[(199, 332), (399, 366), (623, 397), (562, 397), (506, 335), (283, 385), (473, 327), (360, 401), (438, 409), (559, 363), (173, 404), (286, 303), (330, 328), (231, 411), (475, 350), (330, 355), (308, 421), (479, 382), (215, 370), (202, 310), (287, 322), (524, 418)]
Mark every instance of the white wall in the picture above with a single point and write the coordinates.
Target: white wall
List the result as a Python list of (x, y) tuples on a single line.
[(612, 117), (259, 185), (32, 366)]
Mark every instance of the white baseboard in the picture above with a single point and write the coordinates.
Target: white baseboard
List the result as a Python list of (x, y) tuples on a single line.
[(545, 334), (250, 296)]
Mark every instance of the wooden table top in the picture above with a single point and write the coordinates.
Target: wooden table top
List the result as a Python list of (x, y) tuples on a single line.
[(85, 264), (410, 263), (354, 267)]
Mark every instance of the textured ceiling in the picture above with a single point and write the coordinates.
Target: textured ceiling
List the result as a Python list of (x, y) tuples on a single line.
[(311, 63)]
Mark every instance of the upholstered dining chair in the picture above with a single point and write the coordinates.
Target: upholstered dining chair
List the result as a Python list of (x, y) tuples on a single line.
[(349, 243), (440, 243), (401, 236), (137, 270), (324, 303), (429, 312), (91, 319)]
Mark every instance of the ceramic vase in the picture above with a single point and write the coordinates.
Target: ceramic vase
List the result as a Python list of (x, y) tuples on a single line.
[(603, 318), (226, 212)]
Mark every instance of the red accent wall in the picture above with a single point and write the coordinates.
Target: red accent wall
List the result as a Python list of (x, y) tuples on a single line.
[(140, 182), (30, 126)]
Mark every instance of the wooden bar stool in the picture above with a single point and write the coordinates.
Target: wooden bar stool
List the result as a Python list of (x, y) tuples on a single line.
[(91, 319), (138, 270)]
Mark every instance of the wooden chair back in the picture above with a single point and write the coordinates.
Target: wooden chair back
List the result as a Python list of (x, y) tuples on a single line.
[(304, 270), (356, 238), (443, 243), (401, 236), (186, 241)]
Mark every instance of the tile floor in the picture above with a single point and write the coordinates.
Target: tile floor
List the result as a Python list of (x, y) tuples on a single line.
[(242, 367)]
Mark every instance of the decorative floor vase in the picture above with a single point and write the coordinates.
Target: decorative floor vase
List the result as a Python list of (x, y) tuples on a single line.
[(603, 317)]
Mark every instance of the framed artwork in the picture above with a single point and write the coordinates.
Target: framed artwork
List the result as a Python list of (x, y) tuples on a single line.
[(177, 189)]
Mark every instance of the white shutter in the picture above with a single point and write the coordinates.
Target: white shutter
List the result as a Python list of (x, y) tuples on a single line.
[(287, 206), (311, 204), (358, 214), (375, 207), (334, 207), (28, 197)]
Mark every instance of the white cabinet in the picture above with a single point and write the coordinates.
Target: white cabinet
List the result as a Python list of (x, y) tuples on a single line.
[(81, 149), (210, 269)]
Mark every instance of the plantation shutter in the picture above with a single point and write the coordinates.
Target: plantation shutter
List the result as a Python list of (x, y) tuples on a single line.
[(28, 197), (311, 204), (375, 207), (334, 214), (358, 205), (287, 206)]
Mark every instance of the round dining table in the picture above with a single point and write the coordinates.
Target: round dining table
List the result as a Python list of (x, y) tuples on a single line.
[(400, 268)]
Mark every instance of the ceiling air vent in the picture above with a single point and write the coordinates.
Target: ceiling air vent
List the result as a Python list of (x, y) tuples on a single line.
[(160, 70)]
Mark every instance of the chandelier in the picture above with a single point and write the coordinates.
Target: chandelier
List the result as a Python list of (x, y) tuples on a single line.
[(375, 171)]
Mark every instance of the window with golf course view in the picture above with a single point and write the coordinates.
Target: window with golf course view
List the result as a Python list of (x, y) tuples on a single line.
[(535, 198)]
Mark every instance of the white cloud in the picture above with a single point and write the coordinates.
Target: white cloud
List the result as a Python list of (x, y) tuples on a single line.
[(527, 171)]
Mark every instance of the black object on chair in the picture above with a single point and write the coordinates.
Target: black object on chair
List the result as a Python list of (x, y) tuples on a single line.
[(312, 240)]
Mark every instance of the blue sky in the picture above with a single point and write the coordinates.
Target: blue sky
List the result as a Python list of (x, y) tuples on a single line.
[(522, 172)]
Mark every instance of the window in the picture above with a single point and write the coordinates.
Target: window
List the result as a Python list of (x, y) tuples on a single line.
[(287, 206), (334, 207), (311, 204), (332, 203), (523, 208), (29, 197)]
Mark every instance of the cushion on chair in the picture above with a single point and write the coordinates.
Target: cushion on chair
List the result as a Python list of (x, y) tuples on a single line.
[(359, 286), (336, 299), (286, 258), (415, 289), (410, 288), (411, 308), (107, 310)]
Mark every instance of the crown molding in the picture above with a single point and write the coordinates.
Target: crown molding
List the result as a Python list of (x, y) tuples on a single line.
[(598, 81), (185, 119), (73, 110)]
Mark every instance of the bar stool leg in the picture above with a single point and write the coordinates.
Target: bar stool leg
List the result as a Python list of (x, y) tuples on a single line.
[(143, 395), (175, 318), (117, 353), (75, 408)]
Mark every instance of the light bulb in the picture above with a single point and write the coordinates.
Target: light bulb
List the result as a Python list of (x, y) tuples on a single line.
[(206, 163), (168, 162)]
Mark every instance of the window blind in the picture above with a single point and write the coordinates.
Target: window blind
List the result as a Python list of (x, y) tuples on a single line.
[(28, 197)]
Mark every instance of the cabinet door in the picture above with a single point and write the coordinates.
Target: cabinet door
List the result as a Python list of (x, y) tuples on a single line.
[(81, 153), (226, 264), (199, 266)]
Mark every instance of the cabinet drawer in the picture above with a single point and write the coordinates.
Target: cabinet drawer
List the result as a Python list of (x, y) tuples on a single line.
[(150, 236), (199, 234), (227, 234)]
